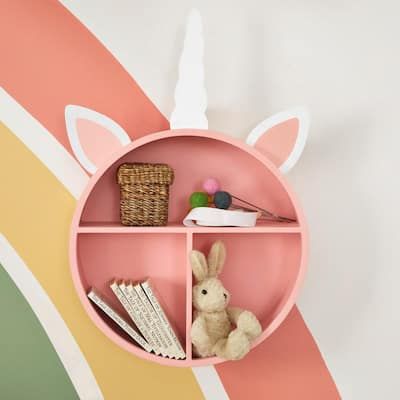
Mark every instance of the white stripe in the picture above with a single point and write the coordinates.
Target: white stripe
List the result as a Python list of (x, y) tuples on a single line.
[(67, 349), (43, 144), (210, 383)]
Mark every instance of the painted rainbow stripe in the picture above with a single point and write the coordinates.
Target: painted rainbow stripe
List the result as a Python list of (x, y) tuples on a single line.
[(40, 236), (30, 339)]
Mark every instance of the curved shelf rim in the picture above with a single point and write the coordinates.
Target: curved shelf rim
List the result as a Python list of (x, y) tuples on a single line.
[(89, 308)]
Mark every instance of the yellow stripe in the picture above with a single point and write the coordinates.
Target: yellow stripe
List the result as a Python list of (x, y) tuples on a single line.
[(35, 215)]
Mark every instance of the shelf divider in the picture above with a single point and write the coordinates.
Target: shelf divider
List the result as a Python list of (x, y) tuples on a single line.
[(189, 247), (116, 227)]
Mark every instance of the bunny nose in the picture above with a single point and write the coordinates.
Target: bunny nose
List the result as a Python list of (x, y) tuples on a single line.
[(225, 295)]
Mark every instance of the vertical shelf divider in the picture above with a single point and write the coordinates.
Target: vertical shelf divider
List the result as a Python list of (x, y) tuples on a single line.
[(189, 247)]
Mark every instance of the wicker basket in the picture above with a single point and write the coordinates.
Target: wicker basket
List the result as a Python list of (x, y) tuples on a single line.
[(144, 193)]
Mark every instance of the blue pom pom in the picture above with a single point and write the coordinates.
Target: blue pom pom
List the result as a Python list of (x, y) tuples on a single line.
[(222, 200)]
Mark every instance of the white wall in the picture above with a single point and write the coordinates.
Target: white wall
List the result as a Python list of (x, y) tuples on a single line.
[(342, 60)]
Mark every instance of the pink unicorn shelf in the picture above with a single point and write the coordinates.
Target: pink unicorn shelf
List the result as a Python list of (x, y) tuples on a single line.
[(265, 264)]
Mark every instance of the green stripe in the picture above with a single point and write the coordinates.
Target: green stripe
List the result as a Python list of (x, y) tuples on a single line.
[(29, 366)]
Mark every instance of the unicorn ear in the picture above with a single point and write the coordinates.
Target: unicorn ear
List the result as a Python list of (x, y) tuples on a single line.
[(282, 137), (93, 136)]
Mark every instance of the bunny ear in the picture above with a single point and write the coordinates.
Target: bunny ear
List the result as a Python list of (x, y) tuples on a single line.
[(282, 137), (216, 258), (199, 265), (93, 136)]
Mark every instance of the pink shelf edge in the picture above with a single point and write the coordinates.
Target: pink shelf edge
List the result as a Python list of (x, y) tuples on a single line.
[(115, 227)]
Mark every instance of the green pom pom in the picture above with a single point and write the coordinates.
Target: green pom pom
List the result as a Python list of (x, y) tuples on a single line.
[(198, 199)]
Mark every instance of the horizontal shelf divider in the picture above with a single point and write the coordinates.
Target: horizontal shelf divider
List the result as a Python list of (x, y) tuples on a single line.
[(115, 227)]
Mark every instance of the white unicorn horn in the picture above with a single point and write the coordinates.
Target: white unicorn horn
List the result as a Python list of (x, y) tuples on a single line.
[(190, 93)]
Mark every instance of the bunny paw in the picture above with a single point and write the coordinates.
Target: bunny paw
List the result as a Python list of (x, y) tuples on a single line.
[(248, 323), (234, 347)]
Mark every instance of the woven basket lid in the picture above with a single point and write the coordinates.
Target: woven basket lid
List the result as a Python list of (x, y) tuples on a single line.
[(144, 173)]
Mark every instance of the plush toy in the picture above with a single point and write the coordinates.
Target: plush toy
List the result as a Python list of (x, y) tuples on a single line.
[(217, 329)]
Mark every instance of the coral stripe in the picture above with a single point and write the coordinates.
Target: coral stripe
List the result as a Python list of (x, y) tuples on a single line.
[(49, 59), (38, 230), (288, 365)]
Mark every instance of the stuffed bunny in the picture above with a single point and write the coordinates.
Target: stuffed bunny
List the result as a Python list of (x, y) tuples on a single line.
[(218, 329)]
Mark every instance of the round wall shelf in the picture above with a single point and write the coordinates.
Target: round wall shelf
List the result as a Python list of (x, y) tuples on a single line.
[(264, 266)]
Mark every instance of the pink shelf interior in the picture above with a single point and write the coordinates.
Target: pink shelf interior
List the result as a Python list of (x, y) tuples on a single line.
[(134, 257), (258, 272), (193, 159)]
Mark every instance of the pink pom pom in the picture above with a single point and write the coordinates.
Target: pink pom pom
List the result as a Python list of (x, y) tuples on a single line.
[(211, 185)]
